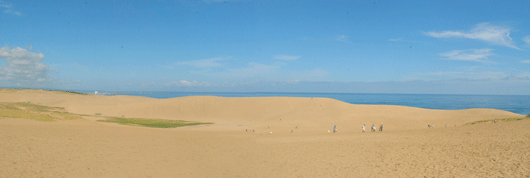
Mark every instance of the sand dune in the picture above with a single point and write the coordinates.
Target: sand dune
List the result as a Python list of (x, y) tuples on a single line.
[(278, 113), (85, 148)]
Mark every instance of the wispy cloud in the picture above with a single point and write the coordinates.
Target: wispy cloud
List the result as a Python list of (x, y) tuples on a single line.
[(5, 5), (23, 68), (286, 57), (471, 76), (445, 73), (261, 72), (342, 38), (521, 76), (190, 84), (11, 11), (526, 39), (312, 75), (478, 55), (253, 70), (526, 61), (8, 9), (496, 35), (203, 63), (396, 39)]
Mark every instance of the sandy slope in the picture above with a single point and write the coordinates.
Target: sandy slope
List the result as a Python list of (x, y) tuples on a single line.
[(84, 148)]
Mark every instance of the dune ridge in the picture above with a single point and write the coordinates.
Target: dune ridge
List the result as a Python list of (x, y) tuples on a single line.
[(315, 114)]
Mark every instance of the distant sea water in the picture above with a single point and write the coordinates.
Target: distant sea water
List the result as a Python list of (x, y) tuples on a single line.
[(519, 104)]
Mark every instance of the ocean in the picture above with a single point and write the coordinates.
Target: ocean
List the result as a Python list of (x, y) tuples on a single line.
[(519, 104)]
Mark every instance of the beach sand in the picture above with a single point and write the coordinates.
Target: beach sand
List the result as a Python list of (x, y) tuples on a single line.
[(406, 147)]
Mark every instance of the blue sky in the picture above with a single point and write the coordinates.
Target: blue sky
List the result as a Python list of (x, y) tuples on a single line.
[(449, 47)]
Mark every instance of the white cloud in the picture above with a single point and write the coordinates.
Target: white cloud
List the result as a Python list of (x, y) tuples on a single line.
[(252, 70), (263, 72), (449, 73), (5, 5), (481, 76), (23, 68), (11, 11), (397, 39), (478, 55), (525, 76), (286, 57), (8, 9), (203, 63), (526, 39), (496, 35), (526, 61), (470, 76), (189, 84), (342, 38), (312, 75)]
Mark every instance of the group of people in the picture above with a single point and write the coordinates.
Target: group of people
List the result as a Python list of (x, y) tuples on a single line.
[(364, 128), (373, 127)]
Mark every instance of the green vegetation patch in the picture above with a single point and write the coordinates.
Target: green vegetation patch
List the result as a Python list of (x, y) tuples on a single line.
[(7, 90), (157, 123), (67, 92), (34, 112), (498, 120), (49, 114)]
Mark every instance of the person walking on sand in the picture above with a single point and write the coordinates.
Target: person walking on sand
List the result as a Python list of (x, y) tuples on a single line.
[(373, 128), (334, 128), (364, 127), (381, 127)]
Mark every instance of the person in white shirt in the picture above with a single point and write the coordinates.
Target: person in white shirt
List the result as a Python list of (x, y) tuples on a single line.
[(363, 127)]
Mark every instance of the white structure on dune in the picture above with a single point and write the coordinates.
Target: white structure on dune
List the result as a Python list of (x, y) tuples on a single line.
[(96, 92)]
